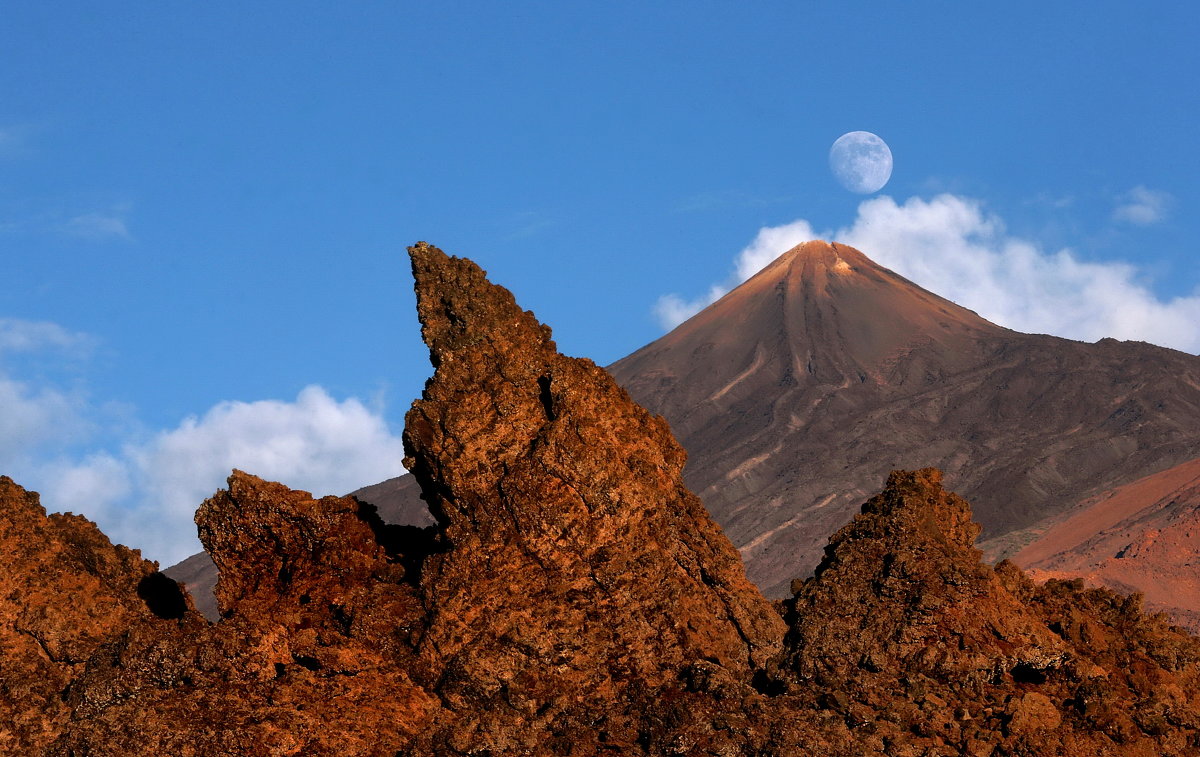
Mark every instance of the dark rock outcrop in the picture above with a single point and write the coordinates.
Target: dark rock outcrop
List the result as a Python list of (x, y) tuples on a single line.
[(906, 633)]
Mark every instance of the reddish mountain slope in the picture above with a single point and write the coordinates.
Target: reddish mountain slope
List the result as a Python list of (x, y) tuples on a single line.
[(1143, 536)]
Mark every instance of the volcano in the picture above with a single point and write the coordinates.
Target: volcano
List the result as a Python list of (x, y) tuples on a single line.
[(798, 390)]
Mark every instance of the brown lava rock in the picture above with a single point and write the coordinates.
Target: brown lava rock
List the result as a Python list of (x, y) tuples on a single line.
[(576, 567), (65, 590), (573, 598), (905, 632)]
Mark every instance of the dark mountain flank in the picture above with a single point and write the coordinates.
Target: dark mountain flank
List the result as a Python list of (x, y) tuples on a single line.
[(571, 598), (797, 392)]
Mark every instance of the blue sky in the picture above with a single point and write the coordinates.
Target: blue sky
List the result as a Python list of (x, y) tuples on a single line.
[(203, 208)]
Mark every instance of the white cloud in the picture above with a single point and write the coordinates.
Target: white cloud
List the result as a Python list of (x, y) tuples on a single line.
[(765, 247), (98, 227), (672, 310), (32, 419), (315, 443), (145, 494), (95, 486), (951, 246), (17, 335), (1143, 207)]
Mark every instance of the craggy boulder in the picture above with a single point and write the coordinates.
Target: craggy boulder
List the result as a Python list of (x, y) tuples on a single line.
[(575, 566), (65, 590)]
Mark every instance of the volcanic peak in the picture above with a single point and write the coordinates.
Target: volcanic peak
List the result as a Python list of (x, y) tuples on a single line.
[(799, 390), (820, 256)]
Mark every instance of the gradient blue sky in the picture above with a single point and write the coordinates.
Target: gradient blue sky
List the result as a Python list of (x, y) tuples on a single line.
[(203, 207)]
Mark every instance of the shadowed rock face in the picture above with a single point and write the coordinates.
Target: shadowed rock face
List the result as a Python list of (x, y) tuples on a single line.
[(573, 598), (553, 489)]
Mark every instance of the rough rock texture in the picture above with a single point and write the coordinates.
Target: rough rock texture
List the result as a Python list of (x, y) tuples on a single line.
[(65, 590), (553, 489), (573, 598), (905, 632), (310, 656), (393, 500), (797, 392)]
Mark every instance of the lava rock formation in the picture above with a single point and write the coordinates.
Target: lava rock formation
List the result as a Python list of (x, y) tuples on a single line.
[(572, 598)]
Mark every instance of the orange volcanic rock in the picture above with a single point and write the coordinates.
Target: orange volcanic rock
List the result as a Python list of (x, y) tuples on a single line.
[(572, 598), (65, 591), (909, 636), (553, 489), (798, 391), (311, 656), (1144, 537)]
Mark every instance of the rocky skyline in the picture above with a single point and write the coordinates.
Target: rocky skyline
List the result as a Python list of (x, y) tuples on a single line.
[(573, 598), (200, 207)]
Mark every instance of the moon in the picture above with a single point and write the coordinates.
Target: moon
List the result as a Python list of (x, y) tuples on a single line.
[(861, 162)]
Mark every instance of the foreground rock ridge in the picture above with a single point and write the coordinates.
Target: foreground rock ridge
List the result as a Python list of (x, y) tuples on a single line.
[(572, 598), (797, 392)]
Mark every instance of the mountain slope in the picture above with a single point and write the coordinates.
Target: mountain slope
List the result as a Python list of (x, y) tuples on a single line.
[(803, 387), (572, 599), (1144, 536)]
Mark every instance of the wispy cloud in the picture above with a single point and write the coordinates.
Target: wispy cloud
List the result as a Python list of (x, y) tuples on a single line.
[(1143, 207), (98, 226), (19, 335), (672, 309), (952, 246), (35, 418)]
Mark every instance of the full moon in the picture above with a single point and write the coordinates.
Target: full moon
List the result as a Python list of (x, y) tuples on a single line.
[(861, 162)]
